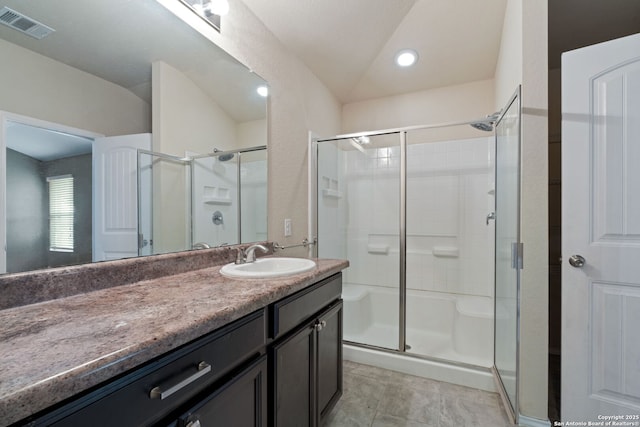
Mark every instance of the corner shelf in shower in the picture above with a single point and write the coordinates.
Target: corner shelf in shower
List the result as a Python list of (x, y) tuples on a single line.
[(330, 188), (216, 195)]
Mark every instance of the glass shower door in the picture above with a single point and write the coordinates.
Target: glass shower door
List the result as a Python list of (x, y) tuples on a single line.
[(253, 196), (358, 204), (449, 247), (164, 195), (508, 250)]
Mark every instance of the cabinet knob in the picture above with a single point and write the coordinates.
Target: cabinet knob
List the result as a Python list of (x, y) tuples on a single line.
[(320, 324)]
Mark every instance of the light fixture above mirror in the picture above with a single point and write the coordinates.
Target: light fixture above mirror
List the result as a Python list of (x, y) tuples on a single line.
[(263, 91), (210, 10)]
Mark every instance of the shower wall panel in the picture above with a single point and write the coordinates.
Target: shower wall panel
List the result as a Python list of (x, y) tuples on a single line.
[(448, 197), (215, 189)]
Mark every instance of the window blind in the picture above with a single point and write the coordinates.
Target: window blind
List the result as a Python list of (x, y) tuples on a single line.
[(61, 213)]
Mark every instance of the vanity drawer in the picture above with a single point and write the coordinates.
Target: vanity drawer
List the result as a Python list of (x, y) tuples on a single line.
[(290, 312), (152, 392)]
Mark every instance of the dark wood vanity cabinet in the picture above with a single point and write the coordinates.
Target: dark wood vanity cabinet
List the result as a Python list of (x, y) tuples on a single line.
[(153, 393), (279, 366), (306, 363), (307, 371), (242, 401)]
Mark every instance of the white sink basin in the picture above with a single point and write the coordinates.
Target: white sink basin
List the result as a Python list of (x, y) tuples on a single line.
[(267, 268)]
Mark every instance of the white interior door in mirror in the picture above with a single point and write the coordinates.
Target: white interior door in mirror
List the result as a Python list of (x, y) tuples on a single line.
[(115, 199), (601, 224)]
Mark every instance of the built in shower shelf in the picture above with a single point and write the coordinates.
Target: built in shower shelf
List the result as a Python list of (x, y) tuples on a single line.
[(332, 194), (215, 195), (216, 201)]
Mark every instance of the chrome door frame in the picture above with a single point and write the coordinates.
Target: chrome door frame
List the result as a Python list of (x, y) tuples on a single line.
[(513, 408), (314, 141)]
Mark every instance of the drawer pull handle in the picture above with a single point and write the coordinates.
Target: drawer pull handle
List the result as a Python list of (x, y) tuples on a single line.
[(160, 393)]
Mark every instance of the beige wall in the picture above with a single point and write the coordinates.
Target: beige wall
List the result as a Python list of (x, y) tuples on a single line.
[(251, 134), (458, 103), (184, 117), (39, 87), (509, 67), (523, 59), (298, 102)]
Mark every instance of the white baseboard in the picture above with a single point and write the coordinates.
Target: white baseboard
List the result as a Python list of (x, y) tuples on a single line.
[(525, 421)]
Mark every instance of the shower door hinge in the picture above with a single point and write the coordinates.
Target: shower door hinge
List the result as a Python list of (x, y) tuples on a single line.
[(517, 255), (142, 242)]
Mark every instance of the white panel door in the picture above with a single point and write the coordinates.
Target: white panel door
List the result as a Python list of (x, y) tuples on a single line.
[(115, 199), (601, 223)]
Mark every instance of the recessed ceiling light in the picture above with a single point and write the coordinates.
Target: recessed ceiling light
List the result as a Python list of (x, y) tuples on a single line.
[(406, 57), (263, 91)]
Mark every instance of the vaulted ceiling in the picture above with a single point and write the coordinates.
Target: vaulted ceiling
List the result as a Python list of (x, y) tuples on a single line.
[(350, 44)]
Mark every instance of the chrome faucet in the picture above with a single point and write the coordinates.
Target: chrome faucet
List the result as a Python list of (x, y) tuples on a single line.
[(249, 254)]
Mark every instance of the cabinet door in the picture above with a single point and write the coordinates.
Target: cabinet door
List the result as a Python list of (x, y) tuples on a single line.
[(293, 383), (329, 360), (241, 402)]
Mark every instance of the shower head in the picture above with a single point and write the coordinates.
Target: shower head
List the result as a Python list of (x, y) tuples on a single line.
[(223, 157), (486, 124)]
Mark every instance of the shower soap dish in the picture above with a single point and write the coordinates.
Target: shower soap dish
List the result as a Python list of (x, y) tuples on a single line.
[(378, 249), (445, 251)]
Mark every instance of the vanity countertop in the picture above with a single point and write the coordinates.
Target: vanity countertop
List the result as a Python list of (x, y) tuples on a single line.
[(52, 350)]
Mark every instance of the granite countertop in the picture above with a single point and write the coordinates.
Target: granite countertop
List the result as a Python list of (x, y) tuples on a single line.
[(52, 350)]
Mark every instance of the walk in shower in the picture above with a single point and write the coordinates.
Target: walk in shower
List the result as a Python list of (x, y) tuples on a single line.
[(414, 212)]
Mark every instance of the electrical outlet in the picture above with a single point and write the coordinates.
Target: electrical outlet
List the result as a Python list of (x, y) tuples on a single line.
[(287, 227)]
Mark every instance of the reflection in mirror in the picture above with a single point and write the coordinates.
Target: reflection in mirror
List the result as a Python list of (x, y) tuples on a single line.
[(229, 197), (37, 218), (253, 190), (209, 10), (214, 199), (102, 77), (163, 197)]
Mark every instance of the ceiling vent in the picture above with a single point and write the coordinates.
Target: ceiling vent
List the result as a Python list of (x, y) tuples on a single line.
[(24, 24)]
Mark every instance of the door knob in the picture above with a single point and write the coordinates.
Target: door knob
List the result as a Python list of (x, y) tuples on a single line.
[(577, 261)]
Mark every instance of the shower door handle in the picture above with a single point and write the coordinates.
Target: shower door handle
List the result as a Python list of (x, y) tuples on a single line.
[(491, 217)]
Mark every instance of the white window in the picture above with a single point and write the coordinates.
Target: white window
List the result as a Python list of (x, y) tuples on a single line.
[(61, 213)]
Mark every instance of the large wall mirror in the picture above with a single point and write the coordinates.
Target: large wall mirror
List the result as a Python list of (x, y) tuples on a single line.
[(123, 132)]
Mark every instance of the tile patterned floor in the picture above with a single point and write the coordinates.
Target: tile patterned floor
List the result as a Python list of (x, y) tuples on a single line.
[(375, 397)]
